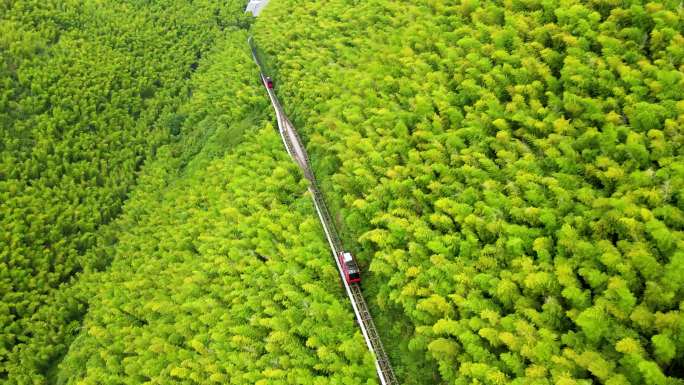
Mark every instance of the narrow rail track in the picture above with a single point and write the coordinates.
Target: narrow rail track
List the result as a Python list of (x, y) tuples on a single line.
[(296, 150)]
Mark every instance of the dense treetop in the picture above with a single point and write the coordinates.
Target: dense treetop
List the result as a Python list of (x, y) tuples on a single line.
[(512, 172), (88, 91)]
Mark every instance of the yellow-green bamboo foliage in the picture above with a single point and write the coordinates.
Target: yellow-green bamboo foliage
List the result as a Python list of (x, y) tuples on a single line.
[(512, 173), (220, 273), (88, 91)]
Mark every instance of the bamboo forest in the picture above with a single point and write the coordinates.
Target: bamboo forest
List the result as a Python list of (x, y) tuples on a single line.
[(507, 174)]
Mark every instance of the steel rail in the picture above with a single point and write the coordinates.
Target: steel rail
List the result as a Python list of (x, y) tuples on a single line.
[(295, 148)]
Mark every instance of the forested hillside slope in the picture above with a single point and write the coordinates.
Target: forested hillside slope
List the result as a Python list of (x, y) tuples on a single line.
[(511, 173), (154, 230), (220, 274), (88, 91)]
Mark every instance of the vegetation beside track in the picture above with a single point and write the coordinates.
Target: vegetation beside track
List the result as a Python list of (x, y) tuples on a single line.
[(511, 173)]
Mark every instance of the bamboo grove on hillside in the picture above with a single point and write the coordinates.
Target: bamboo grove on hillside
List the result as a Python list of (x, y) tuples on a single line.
[(513, 172), (508, 173)]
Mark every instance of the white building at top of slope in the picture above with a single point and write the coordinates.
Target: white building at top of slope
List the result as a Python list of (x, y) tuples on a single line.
[(255, 6)]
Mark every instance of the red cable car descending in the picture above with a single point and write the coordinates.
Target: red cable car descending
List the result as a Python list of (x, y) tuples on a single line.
[(349, 267), (268, 81)]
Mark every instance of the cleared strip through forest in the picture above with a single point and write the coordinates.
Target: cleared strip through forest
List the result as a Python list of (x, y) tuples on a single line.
[(296, 150)]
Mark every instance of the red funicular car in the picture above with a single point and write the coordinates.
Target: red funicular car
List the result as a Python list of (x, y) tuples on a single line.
[(349, 267), (269, 82)]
